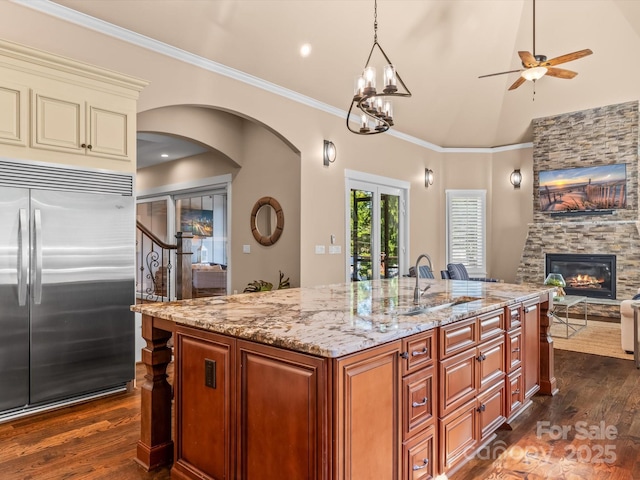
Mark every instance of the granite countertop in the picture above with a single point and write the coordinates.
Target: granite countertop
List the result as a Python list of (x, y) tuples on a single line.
[(336, 320)]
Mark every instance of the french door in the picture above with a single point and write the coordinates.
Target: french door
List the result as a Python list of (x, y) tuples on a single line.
[(377, 240)]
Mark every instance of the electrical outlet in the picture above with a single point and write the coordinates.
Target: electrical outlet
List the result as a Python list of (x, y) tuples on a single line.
[(209, 373), (335, 249), (246, 248), (319, 249)]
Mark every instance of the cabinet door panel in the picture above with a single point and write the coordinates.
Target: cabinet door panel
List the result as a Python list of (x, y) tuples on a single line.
[(368, 415), (205, 413), (108, 132), (457, 378), (515, 392), (491, 361), (281, 402), (57, 123), (13, 114), (514, 349), (457, 436), (491, 410), (419, 401), (419, 456)]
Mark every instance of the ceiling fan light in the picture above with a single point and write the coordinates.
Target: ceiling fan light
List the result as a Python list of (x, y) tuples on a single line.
[(533, 74)]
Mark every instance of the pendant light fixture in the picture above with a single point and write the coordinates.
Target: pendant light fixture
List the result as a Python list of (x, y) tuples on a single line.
[(375, 108)]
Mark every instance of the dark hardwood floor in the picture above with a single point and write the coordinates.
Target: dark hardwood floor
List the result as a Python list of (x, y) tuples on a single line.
[(599, 397)]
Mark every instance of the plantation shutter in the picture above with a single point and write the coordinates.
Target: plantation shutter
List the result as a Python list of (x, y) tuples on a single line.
[(466, 230)]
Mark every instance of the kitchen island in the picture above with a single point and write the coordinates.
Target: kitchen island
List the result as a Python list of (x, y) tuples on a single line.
[(341, 381)]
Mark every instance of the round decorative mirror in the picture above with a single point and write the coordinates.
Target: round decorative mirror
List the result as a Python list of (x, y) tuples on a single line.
[(267, 221)]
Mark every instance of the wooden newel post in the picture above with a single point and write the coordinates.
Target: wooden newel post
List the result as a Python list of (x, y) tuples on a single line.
[(155, 447), (548, 383), (183, 275)]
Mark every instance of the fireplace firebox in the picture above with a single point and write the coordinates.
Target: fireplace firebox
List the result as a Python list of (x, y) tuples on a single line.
[(585, 274)]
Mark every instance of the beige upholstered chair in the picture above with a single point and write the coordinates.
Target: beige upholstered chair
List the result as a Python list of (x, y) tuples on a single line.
[(626, 325)]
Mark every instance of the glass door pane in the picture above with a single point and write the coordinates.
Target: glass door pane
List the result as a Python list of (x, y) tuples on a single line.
[(205, 216), (154, 265), (362, 247), (389, 239)]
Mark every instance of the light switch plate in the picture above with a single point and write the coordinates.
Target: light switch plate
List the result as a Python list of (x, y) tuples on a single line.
[(246, 249), (319, 249), (335, 249)]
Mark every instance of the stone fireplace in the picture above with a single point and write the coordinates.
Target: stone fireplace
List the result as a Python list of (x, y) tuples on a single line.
[(600, 136)]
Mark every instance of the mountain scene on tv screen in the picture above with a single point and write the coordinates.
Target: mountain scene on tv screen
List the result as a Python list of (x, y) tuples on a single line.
[(584, 188)]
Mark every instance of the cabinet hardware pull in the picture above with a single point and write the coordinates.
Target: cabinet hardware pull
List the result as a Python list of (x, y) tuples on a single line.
[(404, 355), (420, 404), (482, 408), (516, 350), (89, 147), (84, 145), (422, 352), (516, 391), (481, 358), (425, 462)]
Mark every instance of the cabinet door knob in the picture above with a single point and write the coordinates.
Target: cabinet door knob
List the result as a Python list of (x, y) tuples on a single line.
[(516, 391), (84, 145), (424, 351), (404, 355), (420, 404), (425, 462), (482, 408), (89, 147), (481, 358), (516, 350)]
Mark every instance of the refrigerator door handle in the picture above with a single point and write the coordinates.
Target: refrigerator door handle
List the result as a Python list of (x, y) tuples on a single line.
[(37, 284), (23, 255)]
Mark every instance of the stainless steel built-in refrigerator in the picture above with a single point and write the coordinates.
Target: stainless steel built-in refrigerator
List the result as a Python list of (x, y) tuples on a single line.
[(67, 266)]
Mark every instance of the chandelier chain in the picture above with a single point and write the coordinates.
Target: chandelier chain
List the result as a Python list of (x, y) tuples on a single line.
[(375, 21)]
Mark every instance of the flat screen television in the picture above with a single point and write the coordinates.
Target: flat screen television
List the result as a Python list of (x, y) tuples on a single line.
[(584, 189)]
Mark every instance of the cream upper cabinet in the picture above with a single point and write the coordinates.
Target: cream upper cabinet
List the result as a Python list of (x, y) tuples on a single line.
[(68, 123), (14, 101), (52, 106)]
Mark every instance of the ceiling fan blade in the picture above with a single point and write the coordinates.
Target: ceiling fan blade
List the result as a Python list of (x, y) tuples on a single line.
[(500, 73), (517, 83), (528, 60), (567, 58), (560, 73)]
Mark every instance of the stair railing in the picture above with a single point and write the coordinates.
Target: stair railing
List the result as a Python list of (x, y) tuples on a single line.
[(155, 280)]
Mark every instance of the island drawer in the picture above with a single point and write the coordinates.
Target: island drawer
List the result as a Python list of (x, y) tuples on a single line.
[(418, 351), (490, 325), (419, 456), (419, 401), (458, 336)]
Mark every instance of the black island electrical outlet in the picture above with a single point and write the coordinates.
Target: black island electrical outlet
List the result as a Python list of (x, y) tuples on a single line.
[(209, 373)]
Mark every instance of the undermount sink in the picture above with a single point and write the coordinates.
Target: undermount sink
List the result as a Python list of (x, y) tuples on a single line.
[(422, 309)]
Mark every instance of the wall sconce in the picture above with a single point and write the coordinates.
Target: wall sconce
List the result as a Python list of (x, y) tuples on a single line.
[(328, 153), (516, 178), (428, 177)]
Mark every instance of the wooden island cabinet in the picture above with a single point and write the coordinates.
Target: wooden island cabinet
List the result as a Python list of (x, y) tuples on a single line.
[(406, 409)]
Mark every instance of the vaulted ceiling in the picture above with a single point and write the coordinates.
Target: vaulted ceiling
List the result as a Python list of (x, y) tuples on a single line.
[(439, 47)]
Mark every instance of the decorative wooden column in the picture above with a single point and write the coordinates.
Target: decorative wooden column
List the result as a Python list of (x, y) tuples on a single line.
[(155, 447), (548, 384), (184, 281)]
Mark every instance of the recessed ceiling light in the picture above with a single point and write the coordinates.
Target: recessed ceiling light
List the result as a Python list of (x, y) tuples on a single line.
[(305, 50), (165, 155)]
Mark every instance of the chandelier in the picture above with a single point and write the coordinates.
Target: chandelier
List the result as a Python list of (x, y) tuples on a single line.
[(376, 107)]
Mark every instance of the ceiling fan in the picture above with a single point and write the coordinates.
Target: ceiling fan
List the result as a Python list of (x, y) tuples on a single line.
[(537, 66)]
